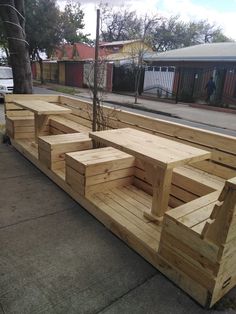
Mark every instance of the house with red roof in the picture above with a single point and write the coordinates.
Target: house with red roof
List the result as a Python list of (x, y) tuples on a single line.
[(76, 52)]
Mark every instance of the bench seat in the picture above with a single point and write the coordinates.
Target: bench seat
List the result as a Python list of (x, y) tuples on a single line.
[(20, 127), (52, 148), (61, 124), (188, 183), (98, 169), (193, 215), (207, 181)]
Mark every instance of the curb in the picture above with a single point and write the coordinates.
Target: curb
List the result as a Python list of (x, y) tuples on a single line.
[(143, 108), (137, 107), (213, 108)]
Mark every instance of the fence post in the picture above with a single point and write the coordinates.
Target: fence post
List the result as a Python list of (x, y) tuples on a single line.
[(178, 86)]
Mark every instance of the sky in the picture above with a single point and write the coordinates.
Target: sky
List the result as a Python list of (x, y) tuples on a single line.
[(220, 12)]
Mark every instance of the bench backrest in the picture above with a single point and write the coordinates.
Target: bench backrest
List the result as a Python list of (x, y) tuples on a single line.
[(222, 147)]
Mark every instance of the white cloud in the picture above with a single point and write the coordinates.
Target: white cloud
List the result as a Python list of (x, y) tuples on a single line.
[(190, 11), (186, 9)]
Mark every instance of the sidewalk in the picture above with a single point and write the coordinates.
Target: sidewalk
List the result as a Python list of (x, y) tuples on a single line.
[(56, 258), (182, 111)]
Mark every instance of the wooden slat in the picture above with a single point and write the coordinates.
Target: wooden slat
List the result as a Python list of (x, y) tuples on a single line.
[(109, 199), (97, 161), (193, 271), (211, 139), (151, 149), (192, 206), (41, 107), (216, 169), (198, 216), (188, 253), (130, 225), (190, 238)]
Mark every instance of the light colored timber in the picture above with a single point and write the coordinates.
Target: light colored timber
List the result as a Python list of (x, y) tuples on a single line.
[(52, 148), (124, 229), (86, 170), (203, 267), (41, 107), (67, 125), (159, 156)]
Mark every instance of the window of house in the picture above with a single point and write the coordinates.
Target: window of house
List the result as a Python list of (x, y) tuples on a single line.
[(157, 69), (163, 69)]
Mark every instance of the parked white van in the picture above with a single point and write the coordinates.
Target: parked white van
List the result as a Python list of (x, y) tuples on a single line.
[(6, 80)]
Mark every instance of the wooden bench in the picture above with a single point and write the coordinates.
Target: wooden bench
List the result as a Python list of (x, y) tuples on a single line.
[(52, 148), (199, 238), (63, 125), (188, 183), (221, 166), (98, 169), (196, 244), (20, 127)]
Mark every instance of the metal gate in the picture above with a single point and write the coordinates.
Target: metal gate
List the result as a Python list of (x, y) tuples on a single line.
[(159, 81), (124, 79), (188, 84)]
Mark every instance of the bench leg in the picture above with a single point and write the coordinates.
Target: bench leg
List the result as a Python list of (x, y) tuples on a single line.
[(161, 181), (41, 124)]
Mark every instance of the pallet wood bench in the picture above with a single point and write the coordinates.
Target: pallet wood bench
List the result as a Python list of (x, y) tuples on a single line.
[(62, 125), (187, 249), (20, 127), (159, 157), (200, 236), (52, 148), (98, 169), (188, 183)]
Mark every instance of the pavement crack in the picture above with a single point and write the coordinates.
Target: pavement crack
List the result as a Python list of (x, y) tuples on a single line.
[(19, 176), (38, 217), (124, 294), (1, 308)]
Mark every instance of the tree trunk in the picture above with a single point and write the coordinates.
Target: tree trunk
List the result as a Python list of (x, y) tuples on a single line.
[(40, 60), (137, 82), (12, 15), (41, 71)]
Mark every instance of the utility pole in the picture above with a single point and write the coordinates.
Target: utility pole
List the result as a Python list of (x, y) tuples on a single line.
[(95, 80)]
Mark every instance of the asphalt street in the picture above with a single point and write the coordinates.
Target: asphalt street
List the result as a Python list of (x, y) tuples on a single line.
[(220, 122)]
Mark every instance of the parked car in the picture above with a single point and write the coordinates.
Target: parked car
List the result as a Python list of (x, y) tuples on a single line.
[(6, 81)]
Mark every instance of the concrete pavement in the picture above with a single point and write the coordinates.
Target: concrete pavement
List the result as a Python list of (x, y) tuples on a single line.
[(57, 258)]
